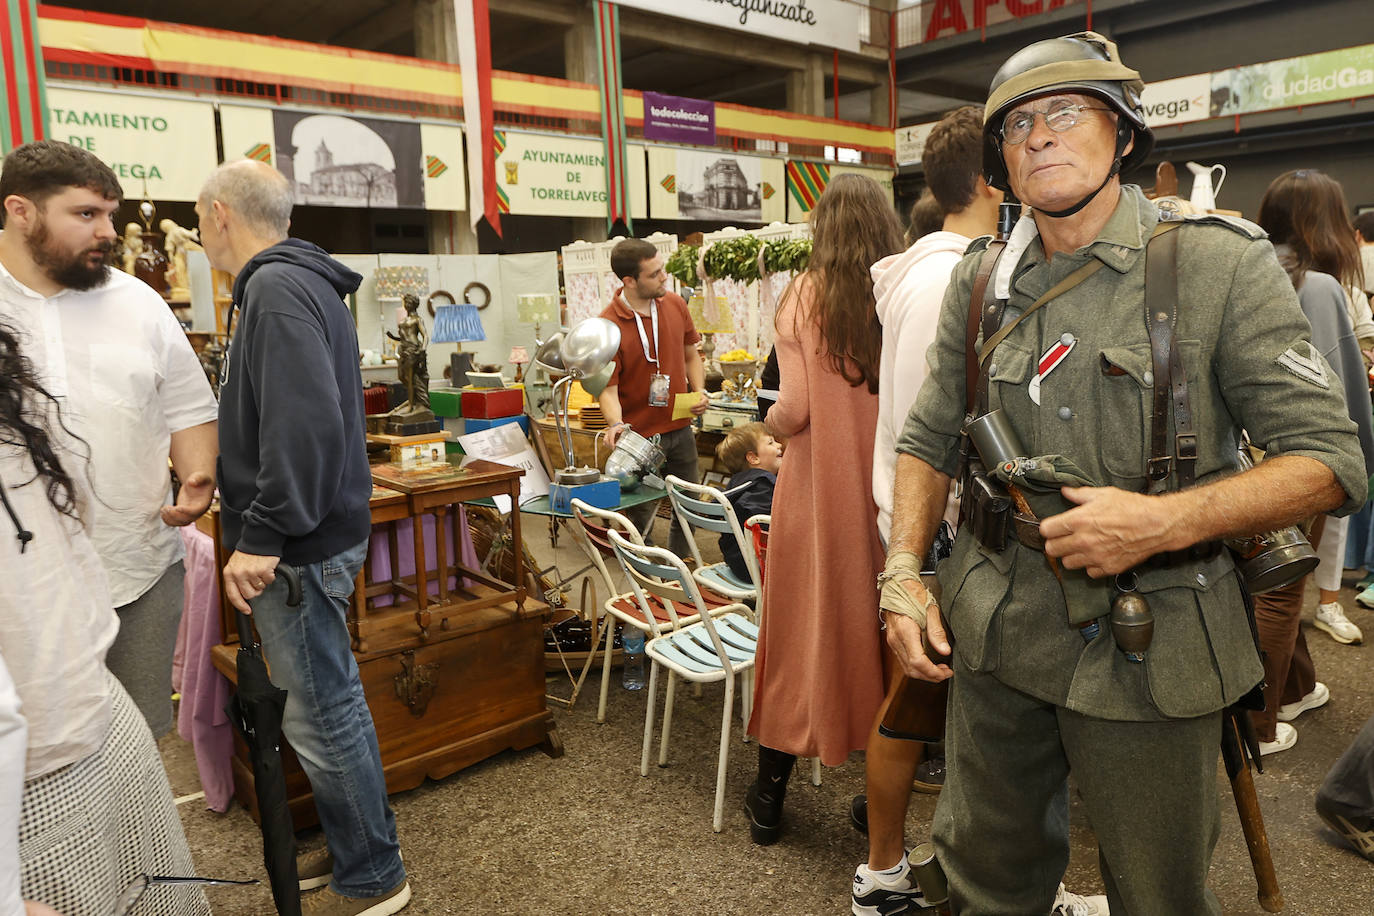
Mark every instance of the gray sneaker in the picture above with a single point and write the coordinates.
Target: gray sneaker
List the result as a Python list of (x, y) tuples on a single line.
[(314, 869), (328, 903)]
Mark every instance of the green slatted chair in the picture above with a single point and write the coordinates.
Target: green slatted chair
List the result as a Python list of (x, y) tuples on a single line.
[(715, 648)]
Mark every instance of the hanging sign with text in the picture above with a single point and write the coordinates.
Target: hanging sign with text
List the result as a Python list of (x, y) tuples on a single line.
[(830, 23), (672, 119), (943, 18), (164, 145), (545, 175), (1329, 76)]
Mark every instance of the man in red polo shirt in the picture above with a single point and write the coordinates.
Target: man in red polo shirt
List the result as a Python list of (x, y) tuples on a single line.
[(657, 361)]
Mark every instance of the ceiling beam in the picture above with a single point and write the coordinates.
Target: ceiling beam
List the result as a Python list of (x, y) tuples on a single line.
[(380, 26)]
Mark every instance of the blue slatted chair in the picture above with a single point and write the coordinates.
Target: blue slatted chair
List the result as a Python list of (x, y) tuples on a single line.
[(712, 649), (702, 507)]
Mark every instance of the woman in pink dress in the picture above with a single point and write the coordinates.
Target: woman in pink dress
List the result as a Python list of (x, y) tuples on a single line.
[(820, 669)]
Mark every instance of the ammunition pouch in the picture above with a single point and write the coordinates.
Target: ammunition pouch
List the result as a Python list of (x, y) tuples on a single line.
[(987, 508)]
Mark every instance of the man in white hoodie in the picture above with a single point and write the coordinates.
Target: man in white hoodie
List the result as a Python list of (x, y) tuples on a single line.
[(909, 288)]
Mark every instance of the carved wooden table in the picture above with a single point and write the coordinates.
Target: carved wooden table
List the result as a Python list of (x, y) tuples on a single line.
[(451, 659)]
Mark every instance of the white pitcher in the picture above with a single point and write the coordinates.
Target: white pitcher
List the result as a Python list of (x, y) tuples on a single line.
[(1204, 195)]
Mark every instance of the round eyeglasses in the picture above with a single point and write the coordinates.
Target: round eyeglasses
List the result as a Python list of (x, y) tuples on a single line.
[(1059, 117)]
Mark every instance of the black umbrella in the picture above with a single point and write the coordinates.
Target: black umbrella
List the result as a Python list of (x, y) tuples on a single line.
[(256, 711)]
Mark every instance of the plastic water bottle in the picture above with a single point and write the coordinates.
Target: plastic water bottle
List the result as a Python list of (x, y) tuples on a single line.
[(632, 641)]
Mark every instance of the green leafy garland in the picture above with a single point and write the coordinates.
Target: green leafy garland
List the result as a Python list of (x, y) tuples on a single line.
[(738, 259), (787, 254), (734, 259), (682, 265)]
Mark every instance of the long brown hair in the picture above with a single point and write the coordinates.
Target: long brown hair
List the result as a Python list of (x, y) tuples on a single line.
[(853, 226), (1306, 211)]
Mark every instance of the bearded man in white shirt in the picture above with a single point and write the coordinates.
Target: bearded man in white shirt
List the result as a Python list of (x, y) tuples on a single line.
[(108, 347)]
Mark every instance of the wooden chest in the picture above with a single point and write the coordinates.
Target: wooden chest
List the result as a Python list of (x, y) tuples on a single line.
[(450, 678)]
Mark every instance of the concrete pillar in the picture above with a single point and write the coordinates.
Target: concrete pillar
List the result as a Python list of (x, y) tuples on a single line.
[(436, 38), (879, 99), (806, 87), (580, 61), (436, 31)]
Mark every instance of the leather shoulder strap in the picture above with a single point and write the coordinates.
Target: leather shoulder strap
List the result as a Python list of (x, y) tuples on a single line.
[(1169, 381), (980, 295)]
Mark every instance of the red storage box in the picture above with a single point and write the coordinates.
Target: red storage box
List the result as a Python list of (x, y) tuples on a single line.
[(493, 403)]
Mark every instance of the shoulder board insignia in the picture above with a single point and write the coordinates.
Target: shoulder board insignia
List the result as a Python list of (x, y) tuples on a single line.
[(1234, 223)]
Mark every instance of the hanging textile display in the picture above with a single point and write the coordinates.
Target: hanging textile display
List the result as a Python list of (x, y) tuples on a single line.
[(22, 87), (613, 115), (474, 66)]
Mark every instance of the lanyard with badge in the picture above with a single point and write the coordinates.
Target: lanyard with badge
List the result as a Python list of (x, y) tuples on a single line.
[(658, 382)]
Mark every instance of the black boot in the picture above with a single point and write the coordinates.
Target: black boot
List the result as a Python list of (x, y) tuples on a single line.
[(764, 799)]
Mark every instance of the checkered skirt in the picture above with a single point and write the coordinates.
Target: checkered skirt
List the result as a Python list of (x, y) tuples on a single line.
[(90, 828)]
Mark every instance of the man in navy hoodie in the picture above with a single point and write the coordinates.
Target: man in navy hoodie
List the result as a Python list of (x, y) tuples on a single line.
[(294, 488)]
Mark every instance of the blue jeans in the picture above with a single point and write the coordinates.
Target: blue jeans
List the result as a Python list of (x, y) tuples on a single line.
[(328, 723)]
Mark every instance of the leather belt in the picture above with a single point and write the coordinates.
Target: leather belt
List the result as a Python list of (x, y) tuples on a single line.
[(1026, 530)]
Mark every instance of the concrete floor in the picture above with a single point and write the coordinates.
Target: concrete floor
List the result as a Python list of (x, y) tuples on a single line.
[(585, 834)]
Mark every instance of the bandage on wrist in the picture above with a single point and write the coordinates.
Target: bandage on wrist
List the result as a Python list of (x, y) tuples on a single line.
[(903, 566)]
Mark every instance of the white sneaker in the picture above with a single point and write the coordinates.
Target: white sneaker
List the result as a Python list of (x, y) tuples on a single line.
[(1285, 736), (1069, 904), (877, 894), (1332, 621), (1318, 697)]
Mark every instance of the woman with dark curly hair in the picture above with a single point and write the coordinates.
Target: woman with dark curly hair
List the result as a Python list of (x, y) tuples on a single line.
[(85, 806)]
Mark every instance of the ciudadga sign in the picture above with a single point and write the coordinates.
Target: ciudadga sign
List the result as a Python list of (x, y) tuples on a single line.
[(943, 18)]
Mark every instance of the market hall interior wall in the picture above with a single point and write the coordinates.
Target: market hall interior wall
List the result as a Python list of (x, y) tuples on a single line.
[(1237, 35)]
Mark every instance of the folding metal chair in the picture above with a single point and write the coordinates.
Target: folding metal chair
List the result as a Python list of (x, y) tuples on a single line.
[(699, 506), (709, 650), (590, 530)]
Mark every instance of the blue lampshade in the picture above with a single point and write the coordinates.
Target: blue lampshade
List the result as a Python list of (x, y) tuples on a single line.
[(457, 323)]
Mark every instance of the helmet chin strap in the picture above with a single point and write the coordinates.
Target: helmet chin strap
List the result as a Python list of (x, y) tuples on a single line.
[(1123, 137)]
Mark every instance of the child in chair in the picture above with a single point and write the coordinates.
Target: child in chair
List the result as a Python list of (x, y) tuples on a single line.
[(752, 457)]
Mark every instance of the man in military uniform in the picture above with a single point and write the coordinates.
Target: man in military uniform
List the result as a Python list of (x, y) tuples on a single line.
[(1039, 685)]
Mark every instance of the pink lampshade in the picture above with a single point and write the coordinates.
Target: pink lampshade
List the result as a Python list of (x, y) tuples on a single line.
[(518, 356)]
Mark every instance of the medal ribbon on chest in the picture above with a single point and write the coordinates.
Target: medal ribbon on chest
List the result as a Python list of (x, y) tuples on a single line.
[(1049, 361)]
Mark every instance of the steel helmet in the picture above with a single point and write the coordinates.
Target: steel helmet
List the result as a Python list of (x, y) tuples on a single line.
[(1086, 63)]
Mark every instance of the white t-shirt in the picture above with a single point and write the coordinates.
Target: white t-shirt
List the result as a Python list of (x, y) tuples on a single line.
[(127, 379), (56, 619)]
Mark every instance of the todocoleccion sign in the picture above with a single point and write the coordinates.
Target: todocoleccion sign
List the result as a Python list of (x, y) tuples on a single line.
[(678, 120)]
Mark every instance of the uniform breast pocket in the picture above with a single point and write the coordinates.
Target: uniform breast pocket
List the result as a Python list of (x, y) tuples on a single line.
[(1124, 389), (1009, 374)]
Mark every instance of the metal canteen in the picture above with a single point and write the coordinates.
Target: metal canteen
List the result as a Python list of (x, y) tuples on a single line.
[(1273, 560), (634, 458)]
